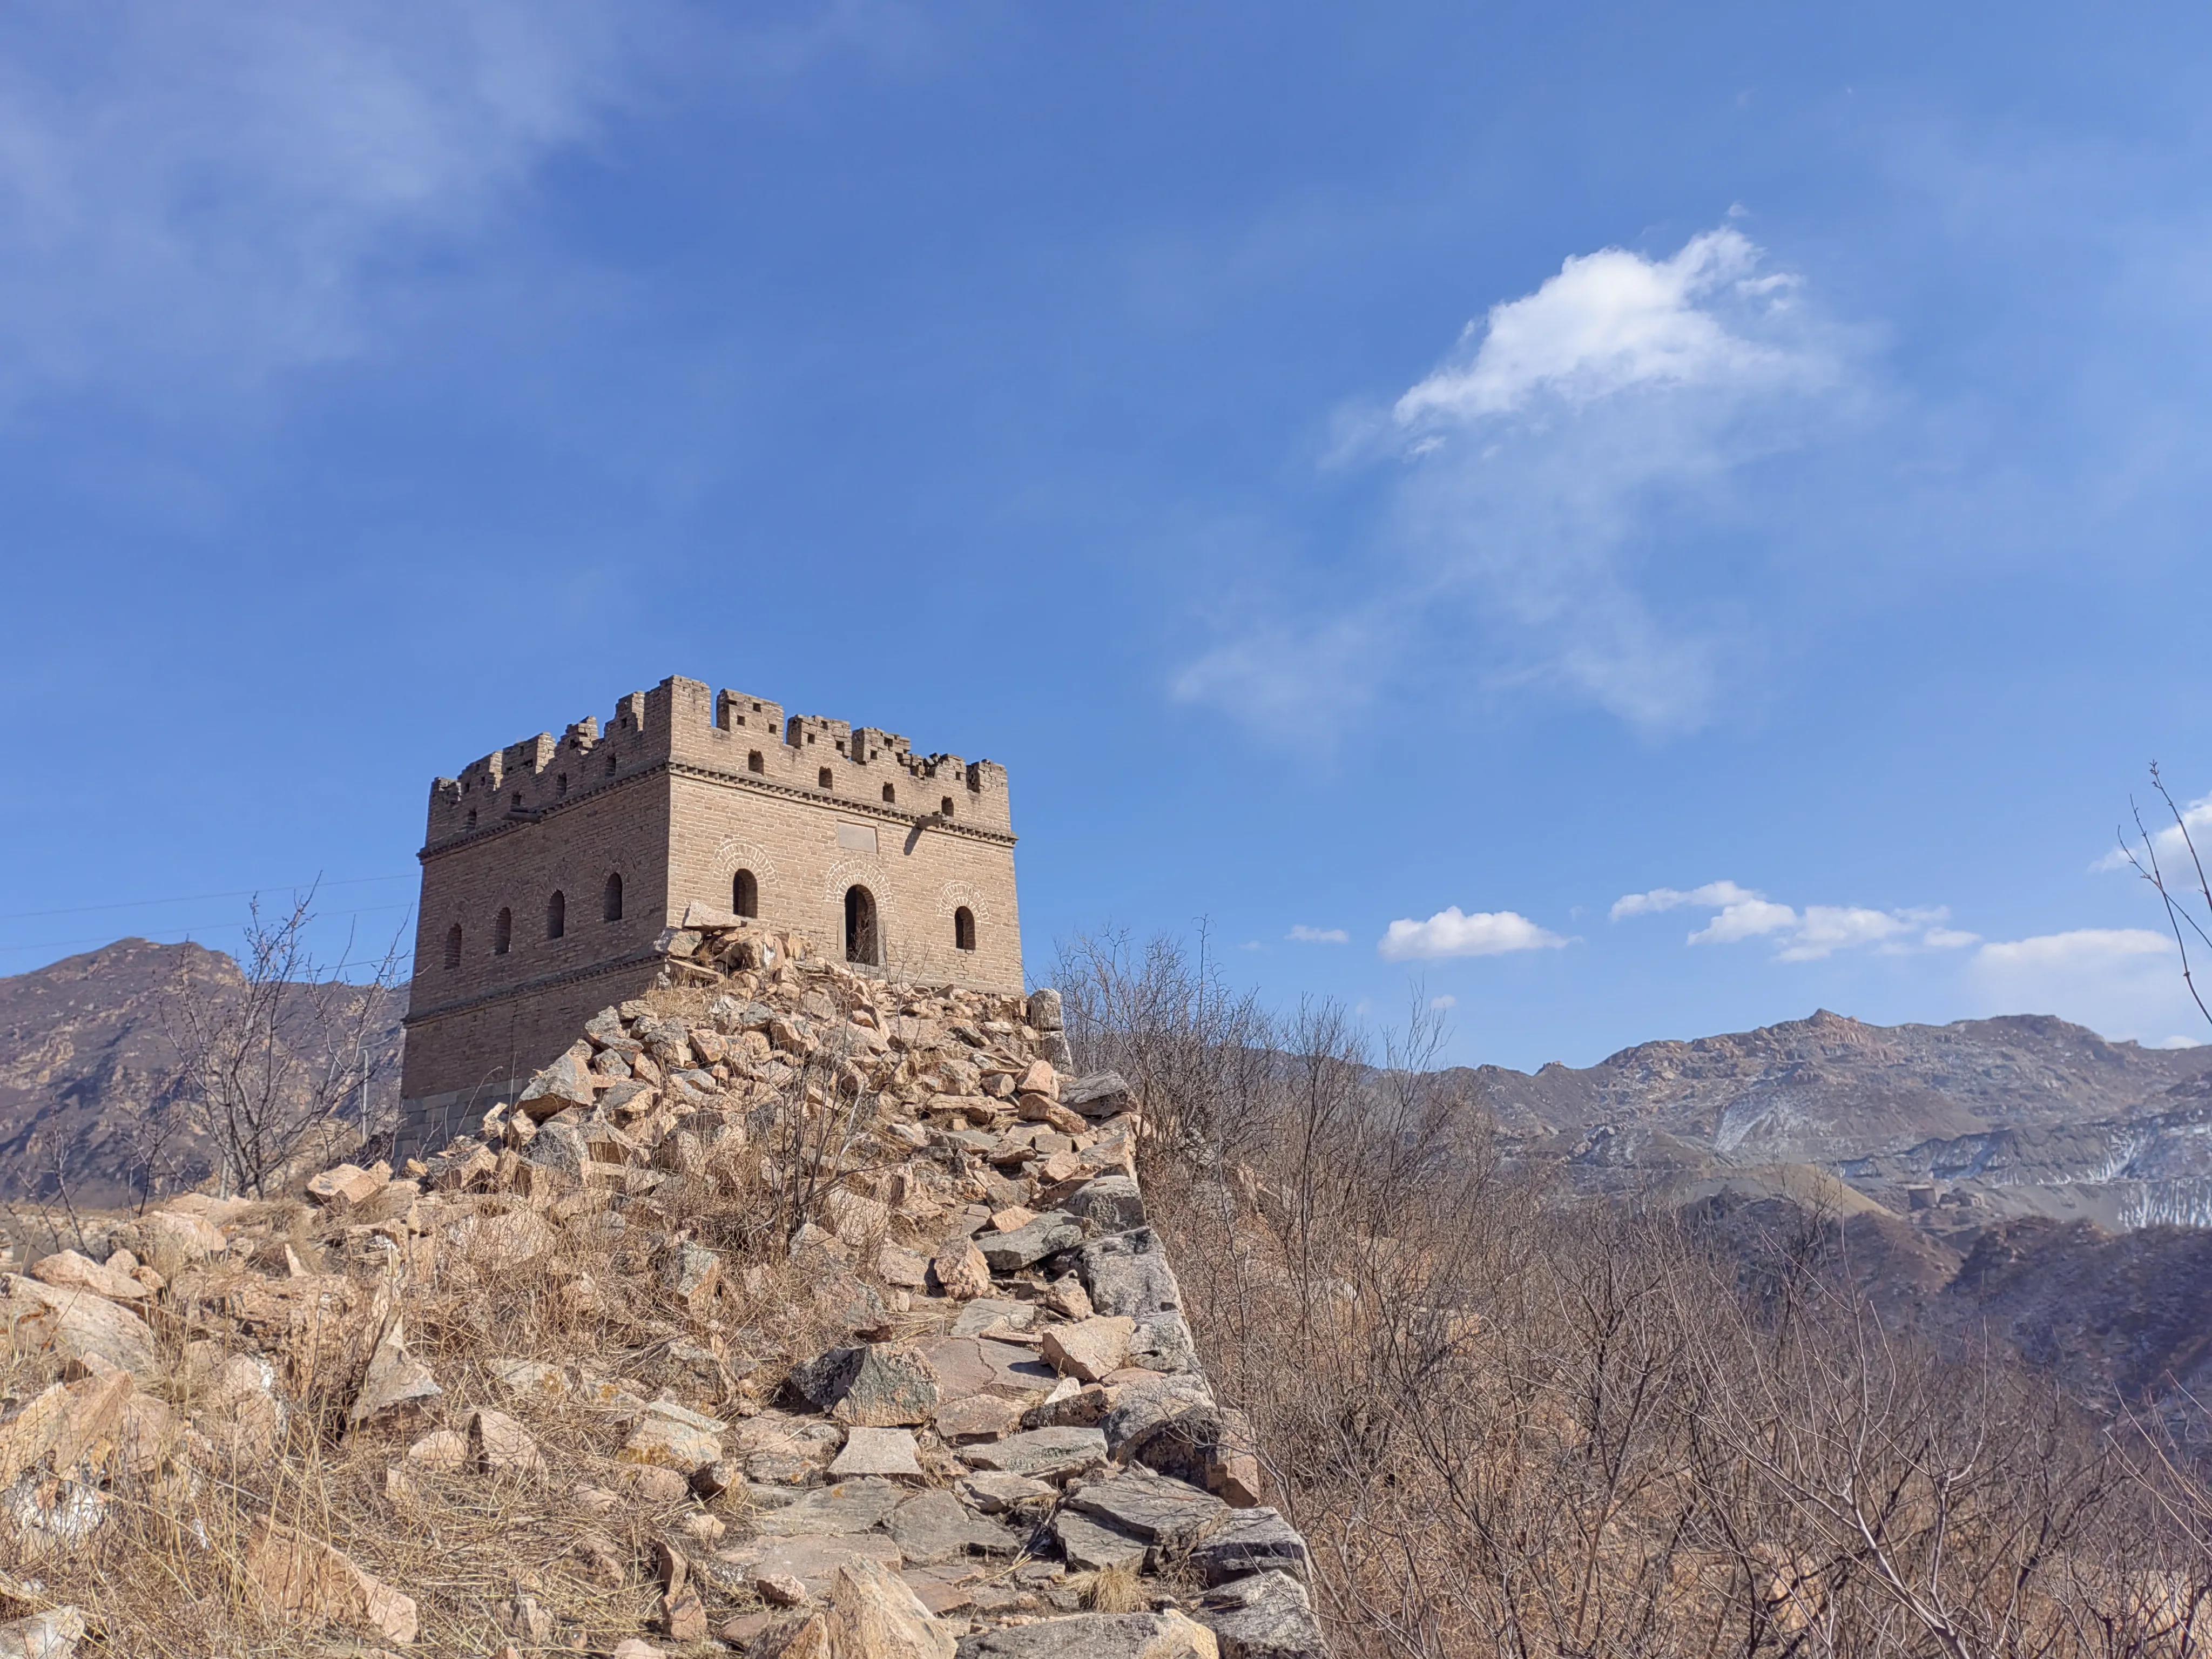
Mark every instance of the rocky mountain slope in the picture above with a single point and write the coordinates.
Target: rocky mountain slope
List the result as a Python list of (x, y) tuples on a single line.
[(791, 1312), (2027, 1115), (87, 1061)]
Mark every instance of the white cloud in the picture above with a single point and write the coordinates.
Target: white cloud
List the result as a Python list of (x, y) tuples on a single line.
[(2122, 981), (1579, 434), (1452, 932), (1302, 934), (1816, 932), (1444, 1004), (1608, 322)]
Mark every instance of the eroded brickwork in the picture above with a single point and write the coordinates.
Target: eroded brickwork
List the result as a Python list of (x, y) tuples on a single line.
[(551, 869)]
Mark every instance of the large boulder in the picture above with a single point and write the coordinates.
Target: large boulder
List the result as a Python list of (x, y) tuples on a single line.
[(1265, 1616), (78, 1325), (874, 1385), (1128, 1273)]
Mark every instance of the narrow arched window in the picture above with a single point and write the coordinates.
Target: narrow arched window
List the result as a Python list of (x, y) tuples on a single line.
[(564, 783), (945, 807), (610, 908), (611, 766), (556, 914), (744, 894), (823, 776), (863, 941), (472, 817), (452, 947), (889, 793), (755, 763), (502, 933), (963, 929)]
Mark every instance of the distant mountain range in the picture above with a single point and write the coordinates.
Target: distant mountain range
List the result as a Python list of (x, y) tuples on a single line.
[(2020, 1175), (86, 1058)]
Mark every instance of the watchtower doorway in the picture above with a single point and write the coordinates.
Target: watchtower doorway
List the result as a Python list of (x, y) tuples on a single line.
[(863, 940)]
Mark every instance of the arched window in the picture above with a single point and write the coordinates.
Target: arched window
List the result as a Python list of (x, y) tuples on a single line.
[(611, 766), (556, 914), (889, 793), (452, 947), (824, 777), (564, 783), (502, 933), (472, 817), (611, 906), (755, 763), (963, 929), (744, 894), (861, 941), (945, 807)]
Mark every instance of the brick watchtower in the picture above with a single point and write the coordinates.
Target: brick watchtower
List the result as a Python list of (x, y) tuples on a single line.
[(551, 868)]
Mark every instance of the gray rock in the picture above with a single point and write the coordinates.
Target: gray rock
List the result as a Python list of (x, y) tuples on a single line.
[(1163, 1343), (1110, 1204), (1267, 1616), (1049, 1234), (1128, 1273), (1044, 1009), (1170, 1513), (1170, 1427), (1092, 1545), (933, 1527), (1090, 1635), (613, 1099), (1042, 1453), (996, 1492), (848, 1507), (1252, 1541), (888, 1452), (559, 1146), (563, 1084), (981, 1315), (875, 1385), (1102, 1094)]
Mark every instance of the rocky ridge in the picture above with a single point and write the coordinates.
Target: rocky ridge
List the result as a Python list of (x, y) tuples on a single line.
[(791, 1311)]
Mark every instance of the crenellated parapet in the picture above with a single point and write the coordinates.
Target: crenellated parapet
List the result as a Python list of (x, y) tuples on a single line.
[(738, 738)]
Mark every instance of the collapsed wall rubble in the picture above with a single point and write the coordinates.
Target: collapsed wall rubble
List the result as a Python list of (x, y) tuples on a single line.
[(998, 1444)]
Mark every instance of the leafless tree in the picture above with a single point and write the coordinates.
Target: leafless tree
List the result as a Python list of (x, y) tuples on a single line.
[(286, 1054), (2174, 890)]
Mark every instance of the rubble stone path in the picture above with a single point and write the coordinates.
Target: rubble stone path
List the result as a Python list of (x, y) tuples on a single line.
[(1012, 1452)]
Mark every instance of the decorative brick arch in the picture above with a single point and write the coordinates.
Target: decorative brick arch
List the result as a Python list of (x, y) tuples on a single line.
[(954, 893), (847, 873)]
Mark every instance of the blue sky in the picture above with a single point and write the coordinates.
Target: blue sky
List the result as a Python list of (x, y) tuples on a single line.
[(1640, 521)]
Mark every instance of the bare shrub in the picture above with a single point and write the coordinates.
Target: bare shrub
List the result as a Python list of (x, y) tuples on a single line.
[(277, 1066), (1510, 1421)]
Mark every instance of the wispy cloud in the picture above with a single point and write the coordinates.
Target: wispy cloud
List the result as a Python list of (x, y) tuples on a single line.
[(2122, 981), (1543, 467), (1452, 932), (217, 193), (1809, 934), (1302, 934)]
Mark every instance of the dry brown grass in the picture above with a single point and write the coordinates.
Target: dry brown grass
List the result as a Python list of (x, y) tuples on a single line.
[(1510, 1423)]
